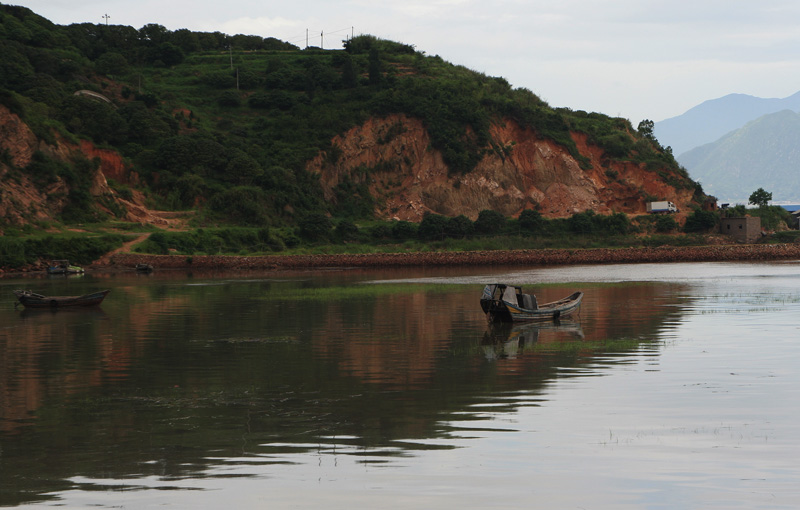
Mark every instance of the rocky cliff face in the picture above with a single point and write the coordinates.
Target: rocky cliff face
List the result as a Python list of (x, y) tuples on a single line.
[(393, 156), (22, 201)]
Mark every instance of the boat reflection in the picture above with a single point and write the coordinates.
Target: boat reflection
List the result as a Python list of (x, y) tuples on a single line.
[(508, 340), (67, 313)]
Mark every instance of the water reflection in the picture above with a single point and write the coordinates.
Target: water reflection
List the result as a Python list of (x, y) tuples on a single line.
[(189, 382), (508, 340)]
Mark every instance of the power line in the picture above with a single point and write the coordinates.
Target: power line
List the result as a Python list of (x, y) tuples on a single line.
[(305, 37)]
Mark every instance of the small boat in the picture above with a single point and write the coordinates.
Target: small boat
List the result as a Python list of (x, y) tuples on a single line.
[(32, 300), (63, 267), (144, 268), (507, 303)]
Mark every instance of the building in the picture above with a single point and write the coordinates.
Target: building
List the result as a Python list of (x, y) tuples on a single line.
[(710, 203), (744, 229)]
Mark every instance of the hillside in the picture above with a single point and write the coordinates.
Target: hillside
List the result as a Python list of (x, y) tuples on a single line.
[(712, 119), (104, 121), (762, 154)]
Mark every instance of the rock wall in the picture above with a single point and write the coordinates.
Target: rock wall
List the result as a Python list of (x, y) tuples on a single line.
[(394, 157), (472, 258)]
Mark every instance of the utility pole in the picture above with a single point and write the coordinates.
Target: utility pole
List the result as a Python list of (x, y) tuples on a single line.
[(230, 53), (106, 16), (321, 45), (306, 38)]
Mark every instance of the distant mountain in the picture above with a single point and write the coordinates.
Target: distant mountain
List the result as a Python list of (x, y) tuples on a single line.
[(712, 119), (763, 154)]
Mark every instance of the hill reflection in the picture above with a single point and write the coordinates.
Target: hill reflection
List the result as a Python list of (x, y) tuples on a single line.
[(172, 370)]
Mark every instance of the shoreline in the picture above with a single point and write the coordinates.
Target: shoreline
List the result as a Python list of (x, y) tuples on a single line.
[(545, 257)]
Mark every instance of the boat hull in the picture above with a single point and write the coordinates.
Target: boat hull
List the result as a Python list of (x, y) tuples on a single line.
[(32, 300), (500, 310)]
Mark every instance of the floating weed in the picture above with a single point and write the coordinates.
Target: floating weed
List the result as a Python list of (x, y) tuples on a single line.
[(575, 346), (356, 291), (257, 340)]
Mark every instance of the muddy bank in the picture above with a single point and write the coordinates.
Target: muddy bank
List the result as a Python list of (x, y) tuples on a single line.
[(497, 258)]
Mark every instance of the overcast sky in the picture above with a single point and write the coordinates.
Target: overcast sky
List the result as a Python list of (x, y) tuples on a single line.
[(636, 59)]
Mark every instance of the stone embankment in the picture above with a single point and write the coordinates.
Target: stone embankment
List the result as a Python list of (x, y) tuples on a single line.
[(751, 252)]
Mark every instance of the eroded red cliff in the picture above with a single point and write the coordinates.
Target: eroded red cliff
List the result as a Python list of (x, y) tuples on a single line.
[(394, 157), (23, 201)]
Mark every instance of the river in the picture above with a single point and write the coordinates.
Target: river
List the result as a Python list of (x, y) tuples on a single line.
[(676, 386)]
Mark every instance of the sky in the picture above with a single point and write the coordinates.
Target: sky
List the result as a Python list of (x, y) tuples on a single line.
[(637, 59)]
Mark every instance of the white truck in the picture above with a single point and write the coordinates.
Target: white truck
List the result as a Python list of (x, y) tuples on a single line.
[(661, 207)]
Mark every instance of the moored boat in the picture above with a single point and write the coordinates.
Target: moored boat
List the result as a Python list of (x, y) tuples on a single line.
[(507, 303), (144, 268), (33, 300), (63, 267)]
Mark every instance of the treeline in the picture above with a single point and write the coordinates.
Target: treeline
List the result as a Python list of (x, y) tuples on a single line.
[(18, 252), (491, 228)]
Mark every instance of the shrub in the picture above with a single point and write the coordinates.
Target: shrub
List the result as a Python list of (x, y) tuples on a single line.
[(404, 230), (12, 253), (489, 222), (581, 223), (432, 227), (246, 205), (666, 223), (229, 98), (346, 230), (532, 221), (315, 227), (458, 227), (700, 221)]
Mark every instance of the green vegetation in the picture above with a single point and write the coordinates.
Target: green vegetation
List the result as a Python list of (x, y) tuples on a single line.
[(357, 291), (227, 124), (760, 198), (79, 249), (316, 233), (213, 241), (701, 221), (772, 216)]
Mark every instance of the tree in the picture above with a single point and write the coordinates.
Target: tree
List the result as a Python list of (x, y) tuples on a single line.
[(489, 222), (111, 63), (315, 226), (374, 66), (700, 221), (432, 227), (349, 73), (646, 128), (458, 227), (760, 197), (531, 220), (666, 223)]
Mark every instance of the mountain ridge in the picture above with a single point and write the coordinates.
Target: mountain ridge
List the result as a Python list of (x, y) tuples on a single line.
[(714, 118), (762, 154)]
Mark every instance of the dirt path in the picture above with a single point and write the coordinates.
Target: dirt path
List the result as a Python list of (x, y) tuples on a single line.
[(127, 247)]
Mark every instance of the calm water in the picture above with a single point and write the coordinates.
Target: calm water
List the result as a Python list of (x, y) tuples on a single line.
[(677, 386)]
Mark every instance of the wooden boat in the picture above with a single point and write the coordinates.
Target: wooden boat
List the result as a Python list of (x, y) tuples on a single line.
[(507, 303), (32, 300), (63, 267), (144, 268)]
